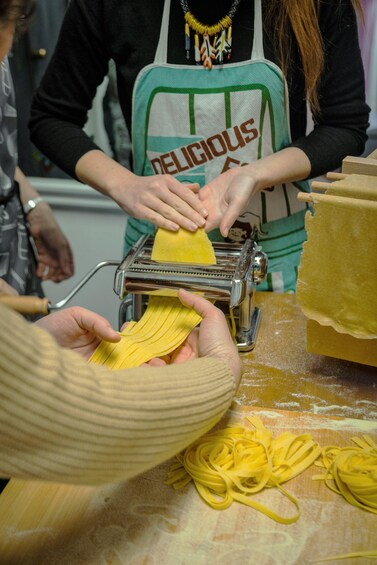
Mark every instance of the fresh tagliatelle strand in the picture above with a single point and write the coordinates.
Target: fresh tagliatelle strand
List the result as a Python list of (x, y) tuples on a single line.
[(234, 463), (352, 472), (166, 323), (168, 337)]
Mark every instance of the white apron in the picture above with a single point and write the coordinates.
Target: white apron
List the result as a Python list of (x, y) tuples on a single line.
[(195, 123)]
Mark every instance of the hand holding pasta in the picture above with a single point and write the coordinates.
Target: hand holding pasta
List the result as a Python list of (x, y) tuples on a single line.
[(79, 329), (212, 339)]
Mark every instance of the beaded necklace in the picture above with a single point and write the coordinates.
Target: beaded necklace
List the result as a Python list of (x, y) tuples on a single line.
[(220, 48)]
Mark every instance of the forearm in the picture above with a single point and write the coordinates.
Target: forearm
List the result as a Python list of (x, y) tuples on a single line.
[(66, 421), (61, 103), (27, 191), (38, 216), (102, 173), (327, 146), (289, 164)]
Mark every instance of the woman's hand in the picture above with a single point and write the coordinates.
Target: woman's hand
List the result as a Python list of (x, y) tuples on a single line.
[(159, 199), (227, 197), (79, 329), (55, 258), (164, 201), (213, 338)]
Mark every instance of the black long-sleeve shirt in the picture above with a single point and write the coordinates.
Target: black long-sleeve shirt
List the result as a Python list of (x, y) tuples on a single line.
[(127, 31)]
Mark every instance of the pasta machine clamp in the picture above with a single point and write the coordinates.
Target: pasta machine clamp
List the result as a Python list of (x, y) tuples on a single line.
[(230, 283)]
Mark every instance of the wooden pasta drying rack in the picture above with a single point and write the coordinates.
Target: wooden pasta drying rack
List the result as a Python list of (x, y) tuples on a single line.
[(354, 186)]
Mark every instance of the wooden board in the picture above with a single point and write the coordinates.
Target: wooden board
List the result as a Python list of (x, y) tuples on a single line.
[(360, 165), (145, 522)]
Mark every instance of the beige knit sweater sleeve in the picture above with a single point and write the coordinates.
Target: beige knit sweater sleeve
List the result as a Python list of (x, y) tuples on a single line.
[(64, 420)]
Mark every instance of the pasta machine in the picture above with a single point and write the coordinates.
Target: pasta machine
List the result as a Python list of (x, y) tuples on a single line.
[(230, 283)]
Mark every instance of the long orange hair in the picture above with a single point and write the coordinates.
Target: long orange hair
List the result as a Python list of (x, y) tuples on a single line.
[(301, 16)]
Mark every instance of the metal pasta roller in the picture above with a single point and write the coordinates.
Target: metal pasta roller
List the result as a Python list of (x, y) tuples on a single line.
[(231, 283)]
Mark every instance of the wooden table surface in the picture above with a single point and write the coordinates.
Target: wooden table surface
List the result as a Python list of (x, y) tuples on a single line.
[(145, 522), (279, 373)]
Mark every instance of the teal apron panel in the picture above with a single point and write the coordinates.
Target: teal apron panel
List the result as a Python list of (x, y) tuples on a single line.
[(214, 120), (282, 240)]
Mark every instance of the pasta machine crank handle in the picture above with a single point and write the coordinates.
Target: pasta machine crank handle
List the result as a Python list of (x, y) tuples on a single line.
[(37, 305), (83, 281)]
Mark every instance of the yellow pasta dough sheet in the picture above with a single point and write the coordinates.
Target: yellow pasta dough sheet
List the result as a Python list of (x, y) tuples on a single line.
[(183, 246), (337, 277)]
